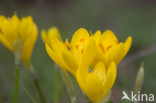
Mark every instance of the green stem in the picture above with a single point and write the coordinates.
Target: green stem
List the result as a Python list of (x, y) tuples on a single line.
[(16, 85), (35, 80), (56, 95), (69, 85)]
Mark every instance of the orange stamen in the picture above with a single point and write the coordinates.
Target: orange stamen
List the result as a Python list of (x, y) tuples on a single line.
[(81, 40), (109, 47), (82, 51), (66, 44), (117, 42), (71, 47), (77, 46), (102, 48), (9, 19)]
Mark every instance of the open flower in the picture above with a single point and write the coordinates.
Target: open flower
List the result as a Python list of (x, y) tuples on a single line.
[(52, 32), (25, 29), (97, 83), (109, 48), (70, 55)]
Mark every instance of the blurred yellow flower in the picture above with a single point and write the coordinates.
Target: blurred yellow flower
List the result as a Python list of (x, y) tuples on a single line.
[(97, 83), (52, 32), (70, 55), (12, 28), (109, 49)]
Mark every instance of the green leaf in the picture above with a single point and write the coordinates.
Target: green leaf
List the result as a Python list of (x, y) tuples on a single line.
[(25, 89)]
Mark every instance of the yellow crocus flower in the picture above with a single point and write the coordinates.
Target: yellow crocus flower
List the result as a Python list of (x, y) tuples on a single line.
[(52, 32), (97, 83), (70, 55), (13, 28), (109, 49)]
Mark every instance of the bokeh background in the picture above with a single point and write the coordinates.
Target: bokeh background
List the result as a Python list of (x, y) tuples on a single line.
[(136, 18)]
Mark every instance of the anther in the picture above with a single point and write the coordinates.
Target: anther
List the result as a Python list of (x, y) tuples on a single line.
[(117, 42), (82, 50), (81, 40), (102, 48), (109, 47), (77, 46), (9, 19)]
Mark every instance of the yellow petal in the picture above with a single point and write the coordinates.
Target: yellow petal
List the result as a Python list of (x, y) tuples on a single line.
[(70, 61), (127, 44), (15, 21), (97, 36), (89, 52), (116, 54), (44, 37), (53, 32), (28, 46), (8, 31), (108, 38), (111, 76), (5, 42), (25, 27), (81, 79), (57, 59), (57, 46), (2, 18), (78, 35), (94, 87), (100, 71), (99, 56)]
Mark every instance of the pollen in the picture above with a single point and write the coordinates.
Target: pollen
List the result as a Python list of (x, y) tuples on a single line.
[(109, 47), (77, 47), (102, 48), (81, 40)]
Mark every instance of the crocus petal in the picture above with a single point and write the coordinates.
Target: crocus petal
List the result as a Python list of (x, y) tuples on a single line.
[(81, 79), (5, 42), (127, 44), (9, 32), (108, 38), (53, 32), (97, 36), (44, 37), (100, 71), (25, 27), (89, 52), (94, 87), (15, 21), (70, 61), (99, 56), (116, 54), (111, 76), (57, 59), (78, 35), (57, 46), (2, 18), (28, 47)]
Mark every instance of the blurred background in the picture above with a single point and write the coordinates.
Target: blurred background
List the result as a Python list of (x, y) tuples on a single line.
[(136, 18)]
